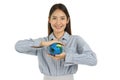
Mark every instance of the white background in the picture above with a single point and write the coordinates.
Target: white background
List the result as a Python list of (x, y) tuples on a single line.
[(97, 21)]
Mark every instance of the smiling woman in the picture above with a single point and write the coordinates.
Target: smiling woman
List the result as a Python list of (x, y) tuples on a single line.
[(76, 50)]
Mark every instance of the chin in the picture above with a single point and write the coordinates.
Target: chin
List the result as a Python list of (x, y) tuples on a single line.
[(58, 31)]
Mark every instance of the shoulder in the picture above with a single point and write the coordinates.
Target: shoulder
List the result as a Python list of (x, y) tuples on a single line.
[(76, 37)]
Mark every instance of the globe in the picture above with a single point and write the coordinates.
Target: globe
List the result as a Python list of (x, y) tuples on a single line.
[(55, 48)]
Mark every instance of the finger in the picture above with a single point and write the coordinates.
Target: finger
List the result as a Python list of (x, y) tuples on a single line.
[(58, 55), (50, 55), (56, 58), (61, 43)]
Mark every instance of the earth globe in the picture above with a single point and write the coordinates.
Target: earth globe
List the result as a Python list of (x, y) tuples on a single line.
[(55, 49)]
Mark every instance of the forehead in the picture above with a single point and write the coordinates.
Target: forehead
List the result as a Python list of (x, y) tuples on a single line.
[(58, 13)]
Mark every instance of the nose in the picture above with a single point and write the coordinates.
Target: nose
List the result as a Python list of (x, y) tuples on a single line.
[(58, 21)]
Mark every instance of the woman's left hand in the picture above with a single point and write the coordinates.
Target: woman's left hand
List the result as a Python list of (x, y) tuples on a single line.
[(59, 56)]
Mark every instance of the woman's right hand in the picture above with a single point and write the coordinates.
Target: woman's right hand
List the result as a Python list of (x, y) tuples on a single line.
[(48, 43)]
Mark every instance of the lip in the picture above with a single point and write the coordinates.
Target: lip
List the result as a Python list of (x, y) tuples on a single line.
[(58, 27)]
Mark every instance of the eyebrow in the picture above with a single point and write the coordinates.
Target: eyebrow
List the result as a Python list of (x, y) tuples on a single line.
[(56, 16)]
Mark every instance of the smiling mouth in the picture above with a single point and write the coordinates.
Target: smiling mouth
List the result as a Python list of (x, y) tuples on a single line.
[(58, 27)]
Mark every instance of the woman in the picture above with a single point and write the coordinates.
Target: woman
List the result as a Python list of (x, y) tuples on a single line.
[(76, 50)]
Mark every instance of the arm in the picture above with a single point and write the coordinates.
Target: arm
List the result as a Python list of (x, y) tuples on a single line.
[(28, 46), (83, 55)]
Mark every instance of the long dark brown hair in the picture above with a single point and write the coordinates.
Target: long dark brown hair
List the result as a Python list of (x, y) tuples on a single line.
[(64, 9)]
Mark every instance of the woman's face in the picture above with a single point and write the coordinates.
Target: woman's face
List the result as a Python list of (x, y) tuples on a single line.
[(58, 21)]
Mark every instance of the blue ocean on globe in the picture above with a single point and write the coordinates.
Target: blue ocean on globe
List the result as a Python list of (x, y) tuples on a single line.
[(55, 48)]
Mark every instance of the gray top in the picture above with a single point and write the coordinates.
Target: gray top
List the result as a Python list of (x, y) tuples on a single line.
[(76, 49)]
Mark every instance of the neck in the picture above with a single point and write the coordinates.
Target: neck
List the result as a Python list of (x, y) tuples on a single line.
[(58, 35)]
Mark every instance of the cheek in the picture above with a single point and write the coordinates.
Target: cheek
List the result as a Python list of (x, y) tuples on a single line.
[(52, 22), (65, 23)]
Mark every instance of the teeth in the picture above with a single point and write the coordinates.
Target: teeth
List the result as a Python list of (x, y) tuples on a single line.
[(58, 27)]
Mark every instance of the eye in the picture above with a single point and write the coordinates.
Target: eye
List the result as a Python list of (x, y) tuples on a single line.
[(62, 18), (54, 18)]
